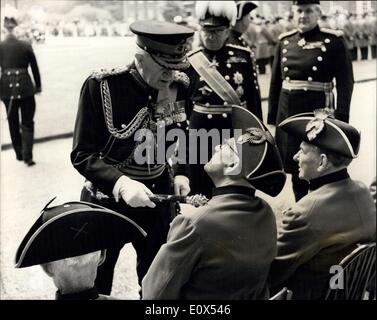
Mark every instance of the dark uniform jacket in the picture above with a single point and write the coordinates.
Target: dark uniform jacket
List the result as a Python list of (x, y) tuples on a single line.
[(317, 56), (220, 251), (15, 58), (112, 108), (318, 232)]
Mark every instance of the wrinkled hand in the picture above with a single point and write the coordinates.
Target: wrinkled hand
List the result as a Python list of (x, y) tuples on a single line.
[(134, 193), (181, 186)]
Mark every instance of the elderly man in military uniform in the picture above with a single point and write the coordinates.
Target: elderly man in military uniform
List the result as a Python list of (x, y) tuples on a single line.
[(120, 129), (350, 36), (223, 74), (338, 213), (224, 249), (68, 241), (17, 90), (308, 59)]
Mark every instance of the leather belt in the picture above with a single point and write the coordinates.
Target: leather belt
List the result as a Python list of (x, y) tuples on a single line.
[(325, 87), (13, 71), (212, 109), (141, 172)]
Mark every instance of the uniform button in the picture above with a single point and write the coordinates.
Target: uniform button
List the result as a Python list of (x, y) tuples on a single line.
[(188, 122), (284, 59), (323, 49), (18, 97), (255, 81), (12, 97), (310, 79), (305, 89), (320, 58), (179, 125), (209, 116), (287, 78), (285, 50), (315, 68), (17, 72), (327, 40), (150, 97), (255, 74), (153, 186), (227, 77), (8, 73), (256, 87), (231, 53), (286, 69), (286, 42), (207, 104), (225, 115), (228, 65), (225, 103), (17, 84), (10, 85)]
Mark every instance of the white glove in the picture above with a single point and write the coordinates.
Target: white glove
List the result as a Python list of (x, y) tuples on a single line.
[(181, 186), (134, 193)]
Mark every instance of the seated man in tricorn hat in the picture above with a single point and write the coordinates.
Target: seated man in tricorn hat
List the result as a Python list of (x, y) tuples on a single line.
[(69, 241), (324, 226), (224, 249), (119, 112)]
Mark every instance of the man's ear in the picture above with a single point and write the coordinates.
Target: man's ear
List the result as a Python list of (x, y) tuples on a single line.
[(323, 163), (102, 257), (234, 168)]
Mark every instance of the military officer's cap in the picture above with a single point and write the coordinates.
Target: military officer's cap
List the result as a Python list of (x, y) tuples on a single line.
[(74, 229), (322, 130), (261, 161), (213, 14), (303, 2), (244, 8), (166, 42)]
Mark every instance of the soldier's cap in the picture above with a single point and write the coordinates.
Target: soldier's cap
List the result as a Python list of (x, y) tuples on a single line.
[(261, 162), (244, 8), (10, 22), (74, 229), (214, 14), (166, 42), (304, 2), (319, 128)]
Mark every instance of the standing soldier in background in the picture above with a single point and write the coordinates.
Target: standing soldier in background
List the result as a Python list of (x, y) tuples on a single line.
[(362, 36), (234, 65), (264, 43), (307, 61), (17, 90), (372, 30), (350, 36)]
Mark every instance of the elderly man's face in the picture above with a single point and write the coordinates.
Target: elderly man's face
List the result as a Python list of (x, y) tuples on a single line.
[(214, 38), (225, 155), (306, 16), (154, 75), (309, 160)]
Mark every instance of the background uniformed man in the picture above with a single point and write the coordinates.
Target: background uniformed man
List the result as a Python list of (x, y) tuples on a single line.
[(307, 61), (236, 67), (115, 110), (17, 90), (69, 241)]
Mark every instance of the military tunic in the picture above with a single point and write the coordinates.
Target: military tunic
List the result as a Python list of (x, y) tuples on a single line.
[(220, 251), (302, 81), (209, 111), (17, 92), (114, 109)]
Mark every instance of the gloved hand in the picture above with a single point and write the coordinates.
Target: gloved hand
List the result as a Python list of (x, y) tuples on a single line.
[(134, 193), (181, 186)]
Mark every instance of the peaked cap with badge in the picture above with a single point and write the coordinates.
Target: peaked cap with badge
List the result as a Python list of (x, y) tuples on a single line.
[(166, 42), (261, 162), (73, 229), (319, 128)]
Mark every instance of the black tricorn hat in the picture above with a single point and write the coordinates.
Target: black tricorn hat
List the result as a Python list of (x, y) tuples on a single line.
[(74, 229), (303, 2), (166, 42), (10, 22), (261, 161), (244, 8), (322, 130)]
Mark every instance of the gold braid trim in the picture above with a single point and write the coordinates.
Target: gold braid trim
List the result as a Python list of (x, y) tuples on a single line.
[(128, 130)]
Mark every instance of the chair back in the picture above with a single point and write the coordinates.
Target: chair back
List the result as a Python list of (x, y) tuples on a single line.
[(358, 268), (283, 294)]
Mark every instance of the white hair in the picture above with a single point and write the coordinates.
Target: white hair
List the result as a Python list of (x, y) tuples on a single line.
[(226, 9)]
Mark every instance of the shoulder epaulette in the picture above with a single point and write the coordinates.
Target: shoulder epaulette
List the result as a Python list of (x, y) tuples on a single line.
[(238, 47), (190, 53), (104, 73), (287, 34), (337, 33)]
